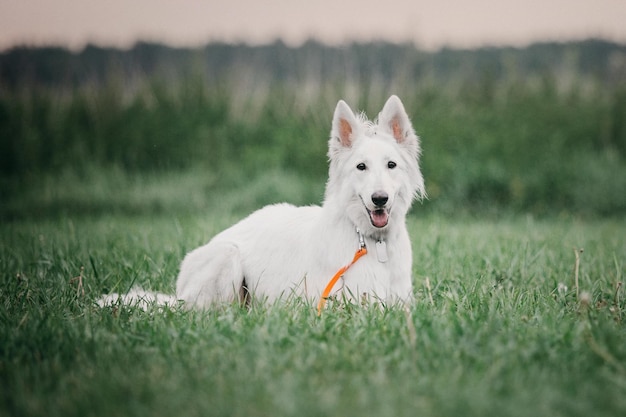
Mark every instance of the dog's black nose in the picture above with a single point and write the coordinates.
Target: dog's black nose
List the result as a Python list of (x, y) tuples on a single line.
[(380, 198)]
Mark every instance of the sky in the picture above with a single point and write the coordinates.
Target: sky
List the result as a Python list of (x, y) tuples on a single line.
[(430, 24)]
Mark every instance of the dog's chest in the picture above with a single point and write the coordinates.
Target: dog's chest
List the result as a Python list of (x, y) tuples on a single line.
[(370, 274)]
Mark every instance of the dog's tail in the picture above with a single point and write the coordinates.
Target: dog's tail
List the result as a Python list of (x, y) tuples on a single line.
[(138, 297)]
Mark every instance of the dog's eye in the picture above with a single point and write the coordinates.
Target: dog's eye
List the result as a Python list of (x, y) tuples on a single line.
[(361, 167), (391, 165)]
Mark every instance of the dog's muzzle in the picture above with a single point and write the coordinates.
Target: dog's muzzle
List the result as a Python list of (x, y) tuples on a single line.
[(380, 215)]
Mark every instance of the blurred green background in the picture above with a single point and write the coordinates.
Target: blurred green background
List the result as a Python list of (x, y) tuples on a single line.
[(539, 130)]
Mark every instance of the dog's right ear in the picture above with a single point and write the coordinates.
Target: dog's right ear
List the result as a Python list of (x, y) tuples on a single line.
[(345, 125)]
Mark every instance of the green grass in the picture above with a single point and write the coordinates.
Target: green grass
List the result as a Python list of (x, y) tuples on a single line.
[(107, 183), (524, 147), (494, 332)]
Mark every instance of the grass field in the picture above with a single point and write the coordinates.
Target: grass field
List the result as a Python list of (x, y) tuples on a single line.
[(499, 327), (532, 131), (114, 164)]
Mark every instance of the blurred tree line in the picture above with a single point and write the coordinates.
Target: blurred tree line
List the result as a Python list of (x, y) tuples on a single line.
[(24, 67), (540, 129)]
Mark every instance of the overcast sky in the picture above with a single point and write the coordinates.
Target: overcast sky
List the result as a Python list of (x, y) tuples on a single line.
[(428, 23)]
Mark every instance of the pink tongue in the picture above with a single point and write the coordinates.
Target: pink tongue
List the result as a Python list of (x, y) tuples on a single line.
[(379, 218)]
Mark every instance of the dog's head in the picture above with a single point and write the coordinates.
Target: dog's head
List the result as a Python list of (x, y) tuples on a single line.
[(374, 172)]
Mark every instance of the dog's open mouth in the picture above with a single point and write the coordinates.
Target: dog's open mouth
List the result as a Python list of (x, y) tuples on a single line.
[(379, 217)]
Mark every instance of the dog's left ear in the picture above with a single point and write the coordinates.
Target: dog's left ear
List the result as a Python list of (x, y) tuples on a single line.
[(393, 118)]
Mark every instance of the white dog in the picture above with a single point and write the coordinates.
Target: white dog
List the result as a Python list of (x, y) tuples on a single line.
[(282, 250)]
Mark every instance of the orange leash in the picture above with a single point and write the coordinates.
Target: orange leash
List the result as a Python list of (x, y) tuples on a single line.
[(362, 251)]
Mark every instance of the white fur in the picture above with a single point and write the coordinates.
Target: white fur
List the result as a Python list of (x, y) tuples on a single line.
[(139, 298), (282, 250)]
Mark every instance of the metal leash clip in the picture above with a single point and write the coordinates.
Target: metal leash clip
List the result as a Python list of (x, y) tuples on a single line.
[(361, 238)]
